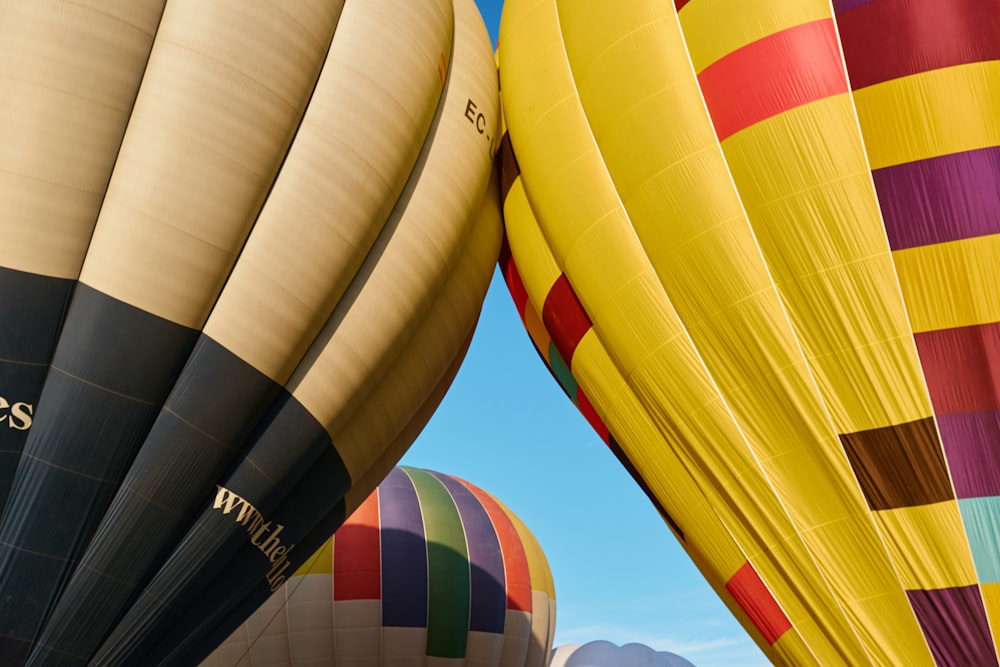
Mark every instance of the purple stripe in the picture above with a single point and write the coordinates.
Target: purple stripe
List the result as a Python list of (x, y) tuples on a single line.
[(488, 612), (970, 444), (404, 554), (940, 199), (841, 6), (954, 623)]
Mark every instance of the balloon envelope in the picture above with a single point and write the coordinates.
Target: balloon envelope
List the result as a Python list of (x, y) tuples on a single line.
[(601, 653), (758, 241), (246, 245), (428, 570)]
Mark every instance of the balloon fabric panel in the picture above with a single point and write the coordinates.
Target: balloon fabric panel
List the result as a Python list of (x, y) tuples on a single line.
[(186, 326), (797, 305)]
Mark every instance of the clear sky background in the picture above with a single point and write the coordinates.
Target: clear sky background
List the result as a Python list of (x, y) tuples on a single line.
[(619, 573)]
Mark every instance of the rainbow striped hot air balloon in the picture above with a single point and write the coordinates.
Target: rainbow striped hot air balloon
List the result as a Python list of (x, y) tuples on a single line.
[(428, 569)]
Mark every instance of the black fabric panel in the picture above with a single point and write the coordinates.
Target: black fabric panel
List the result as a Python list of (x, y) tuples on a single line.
[(113, 367), (215, 405), (295, 442), (190, 643), (309, 516), (31, 313)]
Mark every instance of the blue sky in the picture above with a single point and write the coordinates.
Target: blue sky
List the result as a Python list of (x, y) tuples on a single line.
[(619, 573)]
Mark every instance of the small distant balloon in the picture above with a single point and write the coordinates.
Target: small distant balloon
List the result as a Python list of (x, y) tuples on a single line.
[(602, 653)]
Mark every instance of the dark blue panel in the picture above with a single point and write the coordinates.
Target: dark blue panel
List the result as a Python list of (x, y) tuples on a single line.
[(488, 603), (213, 408), (112, 369), (204, 560), (404, 554), (31, 313)]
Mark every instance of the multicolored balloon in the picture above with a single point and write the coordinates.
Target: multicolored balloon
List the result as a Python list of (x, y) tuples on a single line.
[(430, 569), (759, 242), (244, 246)]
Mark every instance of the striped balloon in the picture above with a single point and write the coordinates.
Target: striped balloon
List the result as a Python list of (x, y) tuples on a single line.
[(430, 569), (758, 242)]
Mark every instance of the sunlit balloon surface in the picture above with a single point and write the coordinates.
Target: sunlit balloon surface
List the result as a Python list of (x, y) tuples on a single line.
[(244, 245), (757, 242), (430, 570)]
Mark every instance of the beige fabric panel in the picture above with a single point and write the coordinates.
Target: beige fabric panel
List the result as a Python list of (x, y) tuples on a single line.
[(393, 452), (430, 244), (69, 73), (387, 400), (516, 637), (223, 94), (357, 632), (309, 612), (349, 163), (401, 647), (483, 649)]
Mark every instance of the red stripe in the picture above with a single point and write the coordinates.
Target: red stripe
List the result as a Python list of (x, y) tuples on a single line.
[(513, 278), (889, 39), (515, 561), (961, 366), (564, 318), (356, 556), (772, 75), (587, 408), (753, 597), (679, 4)]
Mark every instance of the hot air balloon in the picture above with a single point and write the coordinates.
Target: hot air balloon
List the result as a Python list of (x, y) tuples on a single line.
[(428, 570), (244, 248), (602, 653), (762, 239)]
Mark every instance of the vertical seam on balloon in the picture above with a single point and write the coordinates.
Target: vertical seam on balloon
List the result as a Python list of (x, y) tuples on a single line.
[(684, 329), (781, 502), (686, 333), (915, 350)]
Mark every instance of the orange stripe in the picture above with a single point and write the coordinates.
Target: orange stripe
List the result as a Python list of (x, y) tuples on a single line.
[(514, 559), (772, 75)]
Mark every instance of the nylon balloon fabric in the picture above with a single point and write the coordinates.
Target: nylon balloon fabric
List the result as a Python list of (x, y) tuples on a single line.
[(756, 242), (247, 244), (428, 570)]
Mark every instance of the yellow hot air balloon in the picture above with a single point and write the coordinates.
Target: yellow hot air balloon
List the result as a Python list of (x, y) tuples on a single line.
[(758, 243), (244, 247), (428, 570)]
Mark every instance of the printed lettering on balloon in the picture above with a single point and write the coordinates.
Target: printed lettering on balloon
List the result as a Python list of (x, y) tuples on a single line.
[(16, 415), (248, 516), (478, 120)]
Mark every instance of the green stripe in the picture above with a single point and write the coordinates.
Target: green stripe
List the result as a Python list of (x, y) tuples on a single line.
[(447, 568)]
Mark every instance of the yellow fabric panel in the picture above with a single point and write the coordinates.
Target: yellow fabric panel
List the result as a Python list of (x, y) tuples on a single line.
[(680, 200), (669, 478), (321, 562), (650, 348), (928, 545), (516, 207), (793, 651), (991, 600), (714, 28), (538, 564), (813, 209), (952, 284), (880, 615), (68, 76), (941, 111)]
